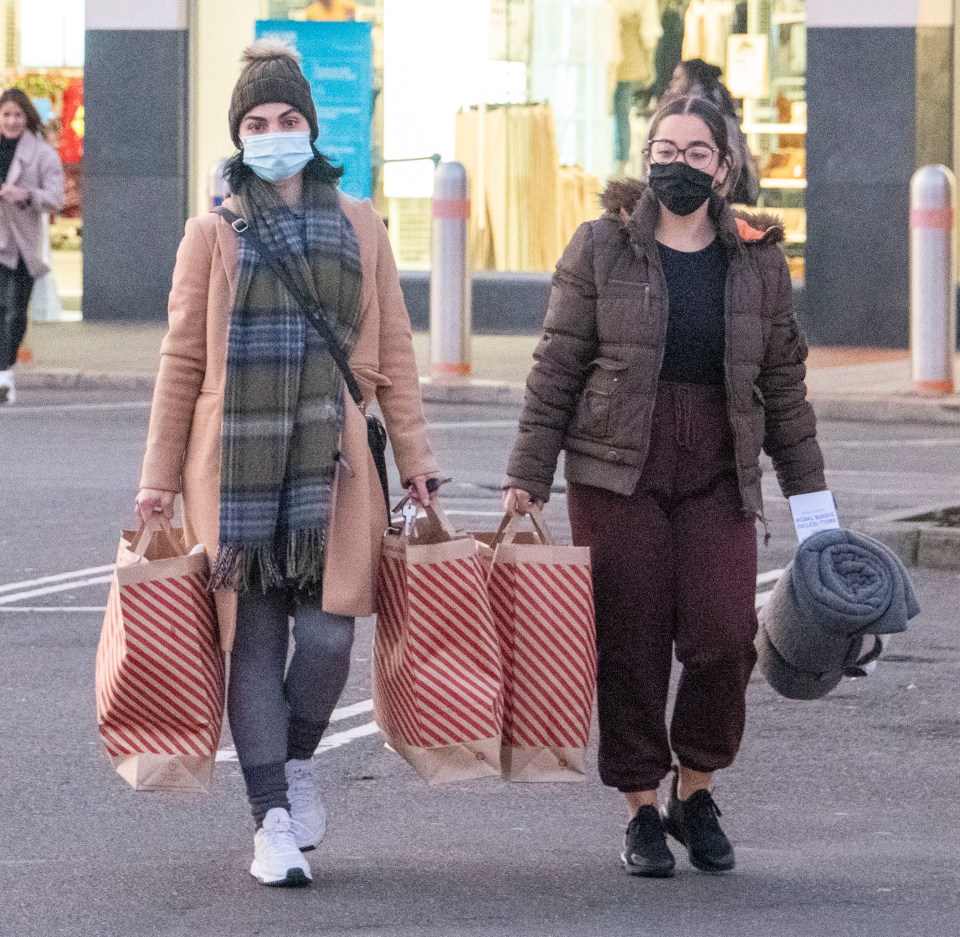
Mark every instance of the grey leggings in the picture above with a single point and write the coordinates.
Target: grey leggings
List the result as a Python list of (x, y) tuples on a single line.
[(277, 712)]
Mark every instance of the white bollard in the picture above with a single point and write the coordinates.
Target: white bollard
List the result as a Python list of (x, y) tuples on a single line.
[(933, 298), (450, 313)]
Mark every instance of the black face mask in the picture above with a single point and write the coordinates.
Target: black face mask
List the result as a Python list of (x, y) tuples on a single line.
[(680, 188)]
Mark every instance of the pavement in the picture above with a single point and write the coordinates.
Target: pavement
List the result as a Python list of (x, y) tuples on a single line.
[(844, 811), (862, 384)]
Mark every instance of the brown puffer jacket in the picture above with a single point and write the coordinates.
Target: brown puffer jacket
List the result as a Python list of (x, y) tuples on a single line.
[(593, 385)]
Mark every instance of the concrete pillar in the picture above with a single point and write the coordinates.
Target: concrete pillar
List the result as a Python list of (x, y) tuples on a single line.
[(135, 155), (879, 77)]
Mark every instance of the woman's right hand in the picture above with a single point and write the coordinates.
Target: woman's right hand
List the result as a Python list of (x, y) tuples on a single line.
[(518, 501), (153, 501)]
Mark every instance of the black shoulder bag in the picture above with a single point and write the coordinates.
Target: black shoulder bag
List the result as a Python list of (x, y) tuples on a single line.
[(376, 432)]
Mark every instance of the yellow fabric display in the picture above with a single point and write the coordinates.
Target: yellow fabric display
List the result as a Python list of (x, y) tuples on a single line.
[(579, 200), (523, 203)]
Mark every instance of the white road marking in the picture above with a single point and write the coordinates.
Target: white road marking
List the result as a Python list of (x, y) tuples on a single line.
[(476, 424), (59, 577), (888, 443), (53, 608), (340, 739), (49, 590), (73, 407), (348, 712), (476, 513), (337, 740)]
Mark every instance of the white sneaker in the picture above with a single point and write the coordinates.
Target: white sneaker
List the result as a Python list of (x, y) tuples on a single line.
[(8, 389), (308, 816), (276, 859)]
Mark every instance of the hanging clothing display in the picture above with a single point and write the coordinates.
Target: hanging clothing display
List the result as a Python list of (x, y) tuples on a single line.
[(526, 206), (510, 153), (638, 32), (669, 49), (579, 200), (707, 26)]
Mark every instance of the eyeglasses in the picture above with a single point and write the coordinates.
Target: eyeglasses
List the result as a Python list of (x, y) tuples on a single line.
[(697, 155)]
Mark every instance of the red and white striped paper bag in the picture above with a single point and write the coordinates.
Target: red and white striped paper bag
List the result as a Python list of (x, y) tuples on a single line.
[(160, 671), (437, 681), (542, 600)]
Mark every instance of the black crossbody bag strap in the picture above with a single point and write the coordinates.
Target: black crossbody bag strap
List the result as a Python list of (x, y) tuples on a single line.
[(376, 433)]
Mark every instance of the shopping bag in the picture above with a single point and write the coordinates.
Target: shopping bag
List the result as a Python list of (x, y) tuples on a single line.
[(541, 595), (160, 671), (437, 681)]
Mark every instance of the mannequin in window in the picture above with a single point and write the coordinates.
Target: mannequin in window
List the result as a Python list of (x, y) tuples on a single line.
[(331, 11), (638, 32)]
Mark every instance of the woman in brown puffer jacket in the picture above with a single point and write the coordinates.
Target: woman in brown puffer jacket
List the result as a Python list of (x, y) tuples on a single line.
[(670, 357)]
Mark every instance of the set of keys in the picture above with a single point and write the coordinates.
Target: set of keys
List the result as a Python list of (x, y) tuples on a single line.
[(410, 511)]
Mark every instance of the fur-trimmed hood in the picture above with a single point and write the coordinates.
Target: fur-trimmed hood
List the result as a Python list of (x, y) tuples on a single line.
[(621, 198)]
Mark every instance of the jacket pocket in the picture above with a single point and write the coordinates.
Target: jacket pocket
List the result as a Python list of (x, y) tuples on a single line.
[(624, 313), (597, 407)]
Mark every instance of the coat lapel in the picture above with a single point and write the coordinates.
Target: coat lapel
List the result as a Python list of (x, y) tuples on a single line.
[(227, 242)]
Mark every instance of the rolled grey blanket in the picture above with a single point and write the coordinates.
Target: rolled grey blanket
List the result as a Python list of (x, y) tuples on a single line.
[(840, 586)]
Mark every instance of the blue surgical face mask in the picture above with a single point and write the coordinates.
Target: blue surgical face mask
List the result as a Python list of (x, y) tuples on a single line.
[(277, 156)]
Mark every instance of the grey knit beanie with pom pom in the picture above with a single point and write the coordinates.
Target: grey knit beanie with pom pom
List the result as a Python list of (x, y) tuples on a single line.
[(271, 74)]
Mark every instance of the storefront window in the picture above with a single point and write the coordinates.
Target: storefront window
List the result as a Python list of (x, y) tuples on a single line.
[(49, 68), (775, 118), (544, 100)]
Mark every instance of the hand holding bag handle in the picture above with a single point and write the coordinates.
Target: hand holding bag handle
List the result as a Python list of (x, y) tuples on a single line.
[(156, 525), (376, 432), (509, 528)]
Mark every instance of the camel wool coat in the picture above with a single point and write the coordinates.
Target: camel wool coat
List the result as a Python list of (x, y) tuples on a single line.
[(183, 443)]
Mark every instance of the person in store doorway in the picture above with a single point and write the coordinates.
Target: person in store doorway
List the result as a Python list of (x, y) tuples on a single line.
[(696, 78), (252, 426), (670, 355), (31, 185)]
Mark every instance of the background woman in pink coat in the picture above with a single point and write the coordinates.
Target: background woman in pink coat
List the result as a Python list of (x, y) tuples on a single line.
[(31, 186), (251, 424)]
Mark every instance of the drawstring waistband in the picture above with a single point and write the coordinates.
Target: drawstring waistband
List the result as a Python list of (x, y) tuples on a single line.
[(683, 414)]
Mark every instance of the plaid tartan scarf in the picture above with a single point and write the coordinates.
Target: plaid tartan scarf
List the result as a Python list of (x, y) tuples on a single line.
[(283, 406)]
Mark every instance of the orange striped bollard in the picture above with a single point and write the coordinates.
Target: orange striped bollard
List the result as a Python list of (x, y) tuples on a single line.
[(450, 312), (933, 296)]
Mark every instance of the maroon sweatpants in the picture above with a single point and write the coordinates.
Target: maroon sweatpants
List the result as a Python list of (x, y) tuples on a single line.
[(674, 569)]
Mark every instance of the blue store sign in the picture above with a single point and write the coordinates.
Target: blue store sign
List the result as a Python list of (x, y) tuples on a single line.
[(338, 63)]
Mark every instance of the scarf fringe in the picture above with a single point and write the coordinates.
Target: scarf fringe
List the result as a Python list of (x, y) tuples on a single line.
[(296, 563)]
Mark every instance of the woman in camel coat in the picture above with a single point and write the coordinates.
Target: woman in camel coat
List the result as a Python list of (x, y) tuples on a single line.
[(251, 424)]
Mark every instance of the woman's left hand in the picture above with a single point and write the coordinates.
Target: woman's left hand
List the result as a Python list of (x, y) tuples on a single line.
[(417, 489)]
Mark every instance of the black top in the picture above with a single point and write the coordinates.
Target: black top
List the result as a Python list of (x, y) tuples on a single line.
[(7, 148), (696, 288)]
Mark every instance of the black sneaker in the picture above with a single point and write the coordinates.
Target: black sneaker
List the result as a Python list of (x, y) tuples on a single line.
[(693, 822), (645, 850)]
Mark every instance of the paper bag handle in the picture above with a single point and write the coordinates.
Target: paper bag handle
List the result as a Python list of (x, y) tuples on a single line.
[(510, 527), (157, 524), (436, 514)]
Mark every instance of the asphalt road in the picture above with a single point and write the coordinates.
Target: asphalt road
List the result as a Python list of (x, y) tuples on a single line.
[(845, 811)]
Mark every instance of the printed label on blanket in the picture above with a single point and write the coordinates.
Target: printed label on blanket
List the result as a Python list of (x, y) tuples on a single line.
[(814, 512)]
